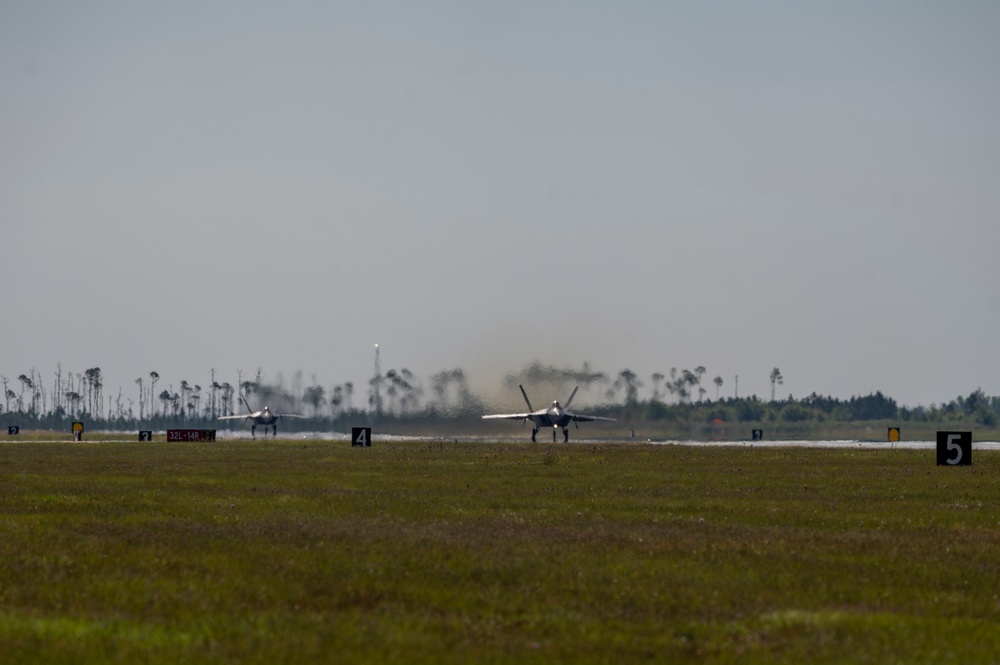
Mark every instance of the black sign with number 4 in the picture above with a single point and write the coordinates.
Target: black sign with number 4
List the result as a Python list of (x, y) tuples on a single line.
[(361, 436)]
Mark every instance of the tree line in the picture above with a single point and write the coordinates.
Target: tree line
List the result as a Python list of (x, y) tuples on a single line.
[(675, 394)]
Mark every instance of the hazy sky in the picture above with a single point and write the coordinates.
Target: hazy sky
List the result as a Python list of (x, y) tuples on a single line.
[(739, 185)]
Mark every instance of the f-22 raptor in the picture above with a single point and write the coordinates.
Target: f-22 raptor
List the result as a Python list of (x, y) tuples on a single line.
[(556, 417), (264, 417)]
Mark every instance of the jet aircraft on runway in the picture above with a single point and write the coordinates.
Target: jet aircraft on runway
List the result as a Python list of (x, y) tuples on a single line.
[(263, 417), (556, 417)]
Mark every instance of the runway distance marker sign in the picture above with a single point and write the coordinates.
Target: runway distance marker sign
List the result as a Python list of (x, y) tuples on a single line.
[(361, 437), (954, 448)]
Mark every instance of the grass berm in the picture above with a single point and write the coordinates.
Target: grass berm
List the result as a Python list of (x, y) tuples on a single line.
[(453, 552)]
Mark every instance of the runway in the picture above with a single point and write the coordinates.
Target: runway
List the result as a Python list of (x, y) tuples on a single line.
[(226, 435)]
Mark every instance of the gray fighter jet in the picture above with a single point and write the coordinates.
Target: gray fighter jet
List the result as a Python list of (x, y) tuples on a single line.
[(556, 417), (263, 417)]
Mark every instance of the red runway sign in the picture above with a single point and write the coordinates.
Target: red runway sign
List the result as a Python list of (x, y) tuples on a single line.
[(190, 435)]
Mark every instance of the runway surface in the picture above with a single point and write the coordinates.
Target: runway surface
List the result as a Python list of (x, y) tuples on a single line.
[(224, 435)]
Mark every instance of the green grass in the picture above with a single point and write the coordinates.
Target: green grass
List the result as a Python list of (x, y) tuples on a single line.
[(455, 552)]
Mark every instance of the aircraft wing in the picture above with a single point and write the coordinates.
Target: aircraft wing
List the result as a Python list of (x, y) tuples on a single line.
[(289, 415), (579, 418), (245, 415), (509, 416)]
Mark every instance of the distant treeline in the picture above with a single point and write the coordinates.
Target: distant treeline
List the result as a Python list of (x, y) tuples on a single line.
[(677, 401), (976, 408)]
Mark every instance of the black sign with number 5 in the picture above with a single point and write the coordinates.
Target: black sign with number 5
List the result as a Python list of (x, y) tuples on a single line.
[(954, 448)]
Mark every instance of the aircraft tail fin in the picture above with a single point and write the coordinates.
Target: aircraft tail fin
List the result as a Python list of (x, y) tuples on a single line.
[(566, 405), (525, 398), (244, 400)]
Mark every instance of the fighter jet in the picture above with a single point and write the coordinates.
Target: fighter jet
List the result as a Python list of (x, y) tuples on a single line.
[(263, 417), (556, 417)]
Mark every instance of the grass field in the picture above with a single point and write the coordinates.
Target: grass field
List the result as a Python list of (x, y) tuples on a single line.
[(291, 551)]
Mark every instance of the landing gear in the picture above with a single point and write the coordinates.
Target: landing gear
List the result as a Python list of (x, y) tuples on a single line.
[(253, 430), (554, 430), (565, 435), (534, 431)]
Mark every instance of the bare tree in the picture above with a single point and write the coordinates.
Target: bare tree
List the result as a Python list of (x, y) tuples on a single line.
[(74, 398), (165, 399), (776, 378), (153, 378), (94, 386), (214, 387), (248, 388), (227, 398), (195, 400), (699, 371), (25, 385), (684, 383), (38, 396), (57, 391), (142, 397)]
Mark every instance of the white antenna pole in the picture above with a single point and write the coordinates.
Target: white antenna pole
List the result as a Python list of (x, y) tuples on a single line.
[(378, 383)]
